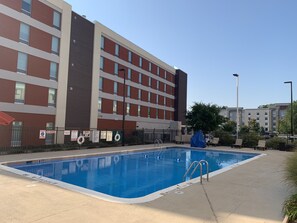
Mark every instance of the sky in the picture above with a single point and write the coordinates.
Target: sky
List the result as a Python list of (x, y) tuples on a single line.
[(211, 40)]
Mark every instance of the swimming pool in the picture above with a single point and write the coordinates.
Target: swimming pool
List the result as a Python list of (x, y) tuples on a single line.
[(129, 175)]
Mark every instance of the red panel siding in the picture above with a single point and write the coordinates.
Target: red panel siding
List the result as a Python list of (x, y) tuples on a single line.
[(107, 106), (104, 124), (7, 91), (38, 67), (109, 46), (40, 40), (9, 28), (42, 13), (8, 59), (36, 95)]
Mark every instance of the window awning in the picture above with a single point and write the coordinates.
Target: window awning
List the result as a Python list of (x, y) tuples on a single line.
[(5, 119)]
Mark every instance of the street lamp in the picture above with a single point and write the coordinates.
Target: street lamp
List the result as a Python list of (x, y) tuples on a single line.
[(237, 114), (124, 106), (292, 129)]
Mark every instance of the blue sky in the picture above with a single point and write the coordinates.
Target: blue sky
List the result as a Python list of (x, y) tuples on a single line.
[(210, 40)]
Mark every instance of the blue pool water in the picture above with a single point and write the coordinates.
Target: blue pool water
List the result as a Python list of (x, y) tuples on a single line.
[(131, 175)]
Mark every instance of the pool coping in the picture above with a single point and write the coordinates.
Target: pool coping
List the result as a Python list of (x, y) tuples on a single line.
[(102, 196)]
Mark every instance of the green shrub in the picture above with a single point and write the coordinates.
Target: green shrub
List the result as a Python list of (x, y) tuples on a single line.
[(291, 169), (275, 143), (250, 139), (290, 208)]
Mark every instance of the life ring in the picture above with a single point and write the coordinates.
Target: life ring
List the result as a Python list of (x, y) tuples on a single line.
[(80, 140), (117, 137), (116, 159), (79, 163)]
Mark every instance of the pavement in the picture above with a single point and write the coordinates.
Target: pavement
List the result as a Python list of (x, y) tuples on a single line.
[(252, 193)]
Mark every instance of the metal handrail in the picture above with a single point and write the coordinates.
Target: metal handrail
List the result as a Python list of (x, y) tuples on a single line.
[(200, 163), (158, 142)]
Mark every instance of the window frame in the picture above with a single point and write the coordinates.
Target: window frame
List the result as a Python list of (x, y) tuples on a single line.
[(21, 99), (25, 11), (19, 62), (25, 40), (59, 19), (52, 102)]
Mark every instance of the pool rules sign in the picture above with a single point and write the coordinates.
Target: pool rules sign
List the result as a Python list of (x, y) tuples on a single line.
[(42, 134)]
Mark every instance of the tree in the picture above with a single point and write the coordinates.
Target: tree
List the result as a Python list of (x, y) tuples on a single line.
[(254, 126), (204, 117), (285, 123), (229, 126)]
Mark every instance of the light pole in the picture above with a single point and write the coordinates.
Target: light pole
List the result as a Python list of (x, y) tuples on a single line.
[(237, 113), (292, 129), (124, 106)]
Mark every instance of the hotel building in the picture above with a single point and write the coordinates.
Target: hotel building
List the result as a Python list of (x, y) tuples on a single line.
[(60, 71)]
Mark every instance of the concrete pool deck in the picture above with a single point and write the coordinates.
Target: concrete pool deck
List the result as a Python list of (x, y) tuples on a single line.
[(253, 192)]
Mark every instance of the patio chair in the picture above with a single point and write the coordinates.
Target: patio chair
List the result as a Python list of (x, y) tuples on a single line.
[(214, 142), (237, 144), (261, 145), (178, 139)]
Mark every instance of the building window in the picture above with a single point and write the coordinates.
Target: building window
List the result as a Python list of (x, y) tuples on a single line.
[(16, 134), (164, 100), (266, 123), (52, 97), (117, 50), (128, 91), (158, 85), (130, 56), (102, 42), (164, 114), (140, 61), (20, 92), (22, 62), (116, 68), (266, 113), (139, 78), (258, 113), (115, 87), (24, 33), (165, 75), (57, 20), (150, 82), (150, 66), (49, 139), (266, 118), (129, 74), (55, 45), (99, 104), (157, 113), (114, 107), (128, 109), (157, 99), (138, 110), (100, 83), (26, 7), (101, 63), (158, 71), (164, 87), (148, 112), (139, 94), (149, 97), (54, 71)]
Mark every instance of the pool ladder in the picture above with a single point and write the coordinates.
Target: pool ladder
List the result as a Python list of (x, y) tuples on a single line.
[(200, 164), (158, 142)]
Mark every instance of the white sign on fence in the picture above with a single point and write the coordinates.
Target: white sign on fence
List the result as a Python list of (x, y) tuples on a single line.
[(108, 136), (95, 136), (74, 135), (42, 134)]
